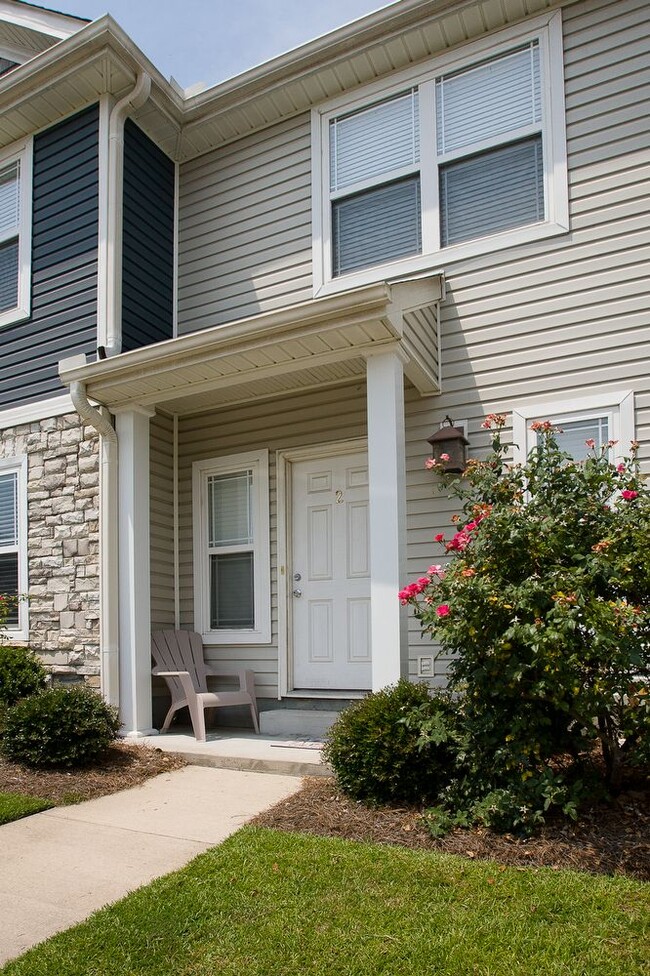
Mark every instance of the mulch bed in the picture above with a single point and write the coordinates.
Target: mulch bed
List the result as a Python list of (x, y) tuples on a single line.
[(608, 839), (121, 767)]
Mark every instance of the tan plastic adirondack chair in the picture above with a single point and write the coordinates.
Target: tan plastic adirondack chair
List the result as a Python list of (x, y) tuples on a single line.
[(178, 656)]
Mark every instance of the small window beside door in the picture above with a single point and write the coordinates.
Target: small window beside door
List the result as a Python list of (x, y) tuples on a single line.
[(231, 549)]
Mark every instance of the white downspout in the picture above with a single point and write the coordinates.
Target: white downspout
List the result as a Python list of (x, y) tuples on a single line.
[(108, 543), (109, 326)]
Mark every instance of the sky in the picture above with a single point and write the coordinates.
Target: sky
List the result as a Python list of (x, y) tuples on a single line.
[(211, 40)]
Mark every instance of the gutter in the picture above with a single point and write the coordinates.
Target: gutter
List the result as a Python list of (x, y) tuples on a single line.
[(108, 538)]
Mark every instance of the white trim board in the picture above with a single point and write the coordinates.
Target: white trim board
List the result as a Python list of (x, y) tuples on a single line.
[(30, 413)]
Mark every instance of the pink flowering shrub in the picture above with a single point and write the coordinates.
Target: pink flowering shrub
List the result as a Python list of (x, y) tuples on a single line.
[(544, 607)]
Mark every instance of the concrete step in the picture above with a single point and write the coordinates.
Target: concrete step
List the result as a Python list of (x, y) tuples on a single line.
[(242, 749), (307, 722)]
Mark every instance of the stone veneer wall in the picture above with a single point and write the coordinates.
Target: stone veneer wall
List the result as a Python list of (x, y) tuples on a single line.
[(63, 541)]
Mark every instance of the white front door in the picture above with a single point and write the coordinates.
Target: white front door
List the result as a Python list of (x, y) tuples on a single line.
[(330, 583)]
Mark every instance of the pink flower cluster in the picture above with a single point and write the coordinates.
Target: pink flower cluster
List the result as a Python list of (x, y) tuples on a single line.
[(629, 495), (462, 538), (413, 590), (542, 426), (497, 420)]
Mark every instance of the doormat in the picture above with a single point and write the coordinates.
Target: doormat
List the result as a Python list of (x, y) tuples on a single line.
[(314, 744)]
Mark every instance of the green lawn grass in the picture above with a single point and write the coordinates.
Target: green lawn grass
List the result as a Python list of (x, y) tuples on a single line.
[(13, 806), (273, 904)]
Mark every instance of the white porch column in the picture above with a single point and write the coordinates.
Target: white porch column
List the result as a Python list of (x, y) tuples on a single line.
[(387, 481), (134, 597)]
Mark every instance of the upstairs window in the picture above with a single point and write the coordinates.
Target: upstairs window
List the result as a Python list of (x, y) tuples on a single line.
[(15, 236), (489, 147), (375, 184), (466, 155)]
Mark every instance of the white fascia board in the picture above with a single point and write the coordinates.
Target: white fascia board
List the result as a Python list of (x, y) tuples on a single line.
[(292, 317)]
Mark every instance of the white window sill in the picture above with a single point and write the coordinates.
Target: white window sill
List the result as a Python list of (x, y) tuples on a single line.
[(13, 316), (235, 637), (438, 260)]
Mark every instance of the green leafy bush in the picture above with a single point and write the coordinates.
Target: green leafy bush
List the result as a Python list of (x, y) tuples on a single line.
[(21, 674), (59, 727), (544, 607), (394, 746)]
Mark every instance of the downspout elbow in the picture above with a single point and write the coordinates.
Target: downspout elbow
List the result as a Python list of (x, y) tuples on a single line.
[(91, 414)]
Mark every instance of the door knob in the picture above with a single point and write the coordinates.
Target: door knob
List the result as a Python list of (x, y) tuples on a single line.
[(297, 593)]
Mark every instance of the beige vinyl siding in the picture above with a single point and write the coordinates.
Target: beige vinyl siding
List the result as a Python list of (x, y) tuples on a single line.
[(161, 522), (563, 318), (568, 317), (330, 415), (245, 227)]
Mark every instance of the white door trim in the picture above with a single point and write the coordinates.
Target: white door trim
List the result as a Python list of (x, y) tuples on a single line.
[(284, 461)]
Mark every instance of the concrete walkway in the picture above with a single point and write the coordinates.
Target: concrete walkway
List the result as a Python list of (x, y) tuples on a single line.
[(61, 865)]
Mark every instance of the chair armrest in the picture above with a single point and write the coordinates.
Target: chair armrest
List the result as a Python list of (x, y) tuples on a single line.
[(245, 677), (168, 674)]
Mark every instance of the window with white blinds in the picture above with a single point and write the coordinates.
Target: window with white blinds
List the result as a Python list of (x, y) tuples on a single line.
[(231, 546), (487, 188), (13, 543), (375, 184), (15, 236), (231, 542), (573, 435), (472, 148), (9, 235)]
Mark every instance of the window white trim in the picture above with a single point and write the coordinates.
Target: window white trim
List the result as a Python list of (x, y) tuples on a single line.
[(257, 462), (21, 154), (617, 406), (18, 465), (547, 30)]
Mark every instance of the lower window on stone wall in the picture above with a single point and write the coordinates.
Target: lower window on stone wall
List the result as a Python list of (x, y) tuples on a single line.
[(13, 540)]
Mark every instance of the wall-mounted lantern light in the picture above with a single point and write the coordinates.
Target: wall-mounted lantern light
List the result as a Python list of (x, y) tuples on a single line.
[(449, 447)]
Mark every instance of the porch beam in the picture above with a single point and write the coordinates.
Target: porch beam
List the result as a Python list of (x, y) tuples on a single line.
[(132, 428), (387, 523)]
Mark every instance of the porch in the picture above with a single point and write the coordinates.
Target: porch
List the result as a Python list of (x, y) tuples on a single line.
[(262, 414)]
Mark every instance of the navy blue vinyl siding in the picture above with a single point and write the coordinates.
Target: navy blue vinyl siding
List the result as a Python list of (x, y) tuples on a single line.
[(148, 242), (63, 318)]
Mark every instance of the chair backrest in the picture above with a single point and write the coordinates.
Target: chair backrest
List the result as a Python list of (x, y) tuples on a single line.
[(180, 650)]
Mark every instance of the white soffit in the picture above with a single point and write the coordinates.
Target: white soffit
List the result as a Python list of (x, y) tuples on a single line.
[(101, 58)]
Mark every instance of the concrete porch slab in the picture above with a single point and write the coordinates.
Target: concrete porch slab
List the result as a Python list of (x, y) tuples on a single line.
[(286, 755)]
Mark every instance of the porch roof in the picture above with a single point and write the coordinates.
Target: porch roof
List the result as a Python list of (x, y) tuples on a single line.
[(322, 341)]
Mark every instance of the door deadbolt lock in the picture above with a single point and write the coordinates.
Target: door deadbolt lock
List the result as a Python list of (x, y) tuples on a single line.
[(297, 577)]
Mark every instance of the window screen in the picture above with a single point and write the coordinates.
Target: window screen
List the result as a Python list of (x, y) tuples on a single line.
[(376, 210), (574, 434), (230, 549), (491, 192), (9, 539), (9, 234)]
